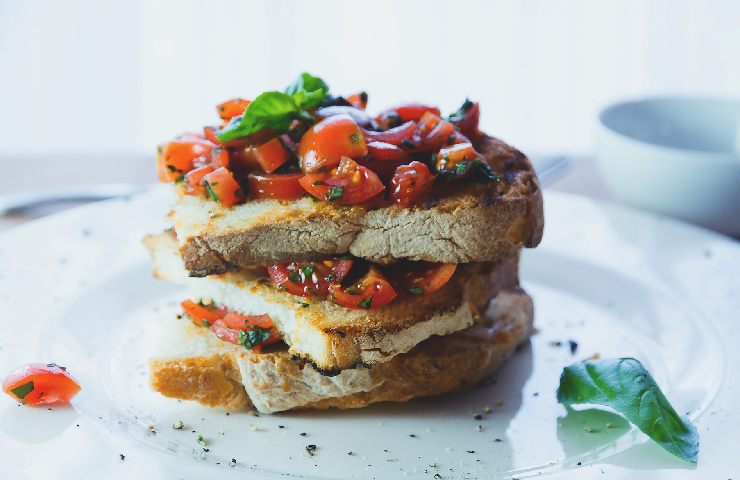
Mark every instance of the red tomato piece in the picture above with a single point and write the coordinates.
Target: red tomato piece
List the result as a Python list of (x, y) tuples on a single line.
[(242, 322), (387, 152), (348, 184), (431, 133), (271, 154), (456, 159), (40, 384), (371, 291), (419, 278), (202, 315), (210, 134), (394, 136), (309, 278), (412, 111), (194, 177), (225, 333), (278, 186), (223, 187), (410, 183), (176, 158), (358, 100), (232, 108), (467, 118), (323, 145)]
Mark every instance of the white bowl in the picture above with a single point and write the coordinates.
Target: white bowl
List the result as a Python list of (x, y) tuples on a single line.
[(678, 156)]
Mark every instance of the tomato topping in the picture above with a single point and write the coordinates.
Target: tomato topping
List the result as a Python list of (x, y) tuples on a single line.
[(210, 134), (466, 119), (371, 291), (358, 100), (348, 184), (251, 336), (411, 111), (431, 133), (271, 154), (238, 321), (410, 183), (387, 152), (201, 314), (194, 185), (394, 136), (232, 108), (421, 278), (222, 187), (456, 159), (40, 384), (309, 278), (278, 186), (323, 145), (176, 158)]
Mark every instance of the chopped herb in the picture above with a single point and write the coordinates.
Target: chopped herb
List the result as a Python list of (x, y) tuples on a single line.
[(211, 193), (352, 289), (253, 336), (180, 179), (282, 287), (415, 291), (206, 323), (355, 138), (330, 278), (312, 291), (366, 302), (307, 271), (171, 168), (22, 390), (209, 306), (318, 183), (334, 193), (461, 167), (202, 440), (294, 277), (303, 304)]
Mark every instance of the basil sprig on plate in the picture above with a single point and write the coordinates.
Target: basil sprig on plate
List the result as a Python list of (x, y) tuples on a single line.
[(624, 385), (277, 110)]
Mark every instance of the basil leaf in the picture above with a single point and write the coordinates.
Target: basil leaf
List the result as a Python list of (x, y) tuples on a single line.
[(624, 385), (273, 110), (308, 91), (22, 390)]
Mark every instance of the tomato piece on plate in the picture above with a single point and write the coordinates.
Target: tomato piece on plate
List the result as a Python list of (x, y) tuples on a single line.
[(371, 291), (456, 159), (309, 278), (410, 111), (348, 184), (410, 183), (278, 186), (358, 100), (394, 136), (40, 384), (467, 118), (177, 157), (222, 187), (324, 144), (202, 315), (271, 154), (420, 278), (232, 108)]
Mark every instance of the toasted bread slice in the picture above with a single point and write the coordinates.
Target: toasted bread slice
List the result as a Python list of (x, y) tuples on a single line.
[(463, 223), (192, 364), (333, 337)]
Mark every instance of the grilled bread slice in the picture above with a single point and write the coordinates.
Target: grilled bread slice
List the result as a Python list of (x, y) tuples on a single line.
[(332, 337), (463, 222), (192, 364)]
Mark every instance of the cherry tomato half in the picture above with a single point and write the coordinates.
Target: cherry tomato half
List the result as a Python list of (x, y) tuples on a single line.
[(40, 384), (231, 108), (371, 291), (348, 184), (222, 187), (323, 145), (278, 186), (410, 183), (309, 278)]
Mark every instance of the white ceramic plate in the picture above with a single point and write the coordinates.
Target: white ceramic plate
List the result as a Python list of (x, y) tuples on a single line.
[(76, 289)]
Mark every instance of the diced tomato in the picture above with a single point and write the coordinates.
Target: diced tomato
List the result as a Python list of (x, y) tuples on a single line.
[(410, 183), (194, 177), (231, 108), (387, 152), (394, 136), (176, 158), (412, 111), (241, 322), (278, 186), (225, 333), (456, 159), (252, 337), (371, 291), (358, 100), (348, 184), (223, 187), (271, 154), (323, 145), (431, 133), (210, 133), (309, 278), (467, 118), (420, 278), (202, 315), (40, 384)]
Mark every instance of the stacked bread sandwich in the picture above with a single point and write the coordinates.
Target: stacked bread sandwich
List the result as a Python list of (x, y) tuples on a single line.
[(336, 259)]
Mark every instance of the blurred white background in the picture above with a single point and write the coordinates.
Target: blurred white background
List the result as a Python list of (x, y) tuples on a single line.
[(88, 88)]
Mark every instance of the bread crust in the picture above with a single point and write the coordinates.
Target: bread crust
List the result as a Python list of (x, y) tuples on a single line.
[(275, 381), (470, 222)]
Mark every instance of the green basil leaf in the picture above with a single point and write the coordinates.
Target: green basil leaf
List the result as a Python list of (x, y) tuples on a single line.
[(308, 91), (624, 385), (273, 110), (22, 390)]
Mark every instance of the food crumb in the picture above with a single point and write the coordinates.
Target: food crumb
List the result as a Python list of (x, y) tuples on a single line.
[(232, 463), (499, 402), (311, 449), (478, 416), (281, 426), (573, 345), (479, 428), (487, 409), (589, 429), (202, 440), (178, 425), (437, 476), (303, 434), (555, 343), (497, 440), (412, 435), (122, 456), (254, 428)]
